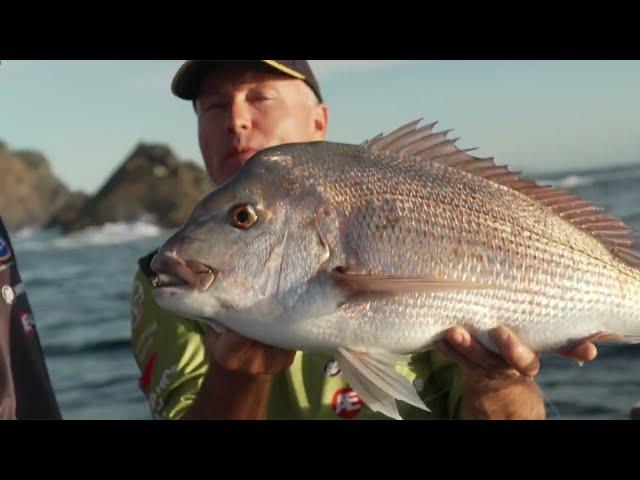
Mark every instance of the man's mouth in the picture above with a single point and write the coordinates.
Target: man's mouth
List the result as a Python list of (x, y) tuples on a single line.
[(172, 271), (241, 155)]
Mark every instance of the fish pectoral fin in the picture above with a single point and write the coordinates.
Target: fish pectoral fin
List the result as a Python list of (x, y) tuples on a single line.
[(393, 284), (374, 378)]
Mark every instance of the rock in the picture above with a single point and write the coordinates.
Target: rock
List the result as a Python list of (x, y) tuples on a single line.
[(69, 212), (29, 191), (150, 182)]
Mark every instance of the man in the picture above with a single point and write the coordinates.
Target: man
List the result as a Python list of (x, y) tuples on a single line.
[(190, 372), (25, 389)]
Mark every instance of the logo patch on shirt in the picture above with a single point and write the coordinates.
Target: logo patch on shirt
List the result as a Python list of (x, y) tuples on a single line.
[(5, 251), (8, 294), (27, 323), (331, 369), (346, 403)]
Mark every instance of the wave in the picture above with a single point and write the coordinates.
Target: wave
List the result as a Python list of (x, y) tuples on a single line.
[(590, 178), (570, 181), (108, 234), (25, 233), (105, 346), (632, 220)]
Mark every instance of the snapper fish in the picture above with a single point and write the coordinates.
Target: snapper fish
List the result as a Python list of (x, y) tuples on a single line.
[(370, 252)]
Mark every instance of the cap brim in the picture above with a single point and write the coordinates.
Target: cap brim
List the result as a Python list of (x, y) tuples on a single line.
[(186, 81)]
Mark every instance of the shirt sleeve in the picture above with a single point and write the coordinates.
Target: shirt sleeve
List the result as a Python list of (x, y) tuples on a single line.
[(169, 352)]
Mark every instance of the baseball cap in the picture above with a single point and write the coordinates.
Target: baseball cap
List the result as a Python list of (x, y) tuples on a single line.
[(186, 82)]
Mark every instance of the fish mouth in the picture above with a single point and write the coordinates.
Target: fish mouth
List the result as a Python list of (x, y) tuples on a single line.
[(161, 280), (171, 271)]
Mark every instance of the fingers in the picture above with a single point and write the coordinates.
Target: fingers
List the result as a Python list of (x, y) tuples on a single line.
[(235, 352), (230, 350), (471, 354), (514, 352), (445, 349), (279, 359), (267, 360), (585, 352)]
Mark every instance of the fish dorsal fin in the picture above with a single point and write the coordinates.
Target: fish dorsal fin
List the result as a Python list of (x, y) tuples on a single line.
[(411, 143)]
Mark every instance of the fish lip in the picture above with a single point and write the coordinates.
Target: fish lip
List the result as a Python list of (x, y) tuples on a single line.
[(172, 271), (169, 282)]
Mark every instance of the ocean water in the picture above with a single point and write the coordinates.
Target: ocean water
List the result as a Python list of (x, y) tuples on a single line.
[(79, 287)]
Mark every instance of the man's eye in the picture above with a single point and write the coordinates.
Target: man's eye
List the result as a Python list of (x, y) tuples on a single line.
[(216, 104)]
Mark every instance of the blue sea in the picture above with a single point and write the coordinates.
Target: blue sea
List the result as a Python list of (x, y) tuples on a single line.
[(79, 287)]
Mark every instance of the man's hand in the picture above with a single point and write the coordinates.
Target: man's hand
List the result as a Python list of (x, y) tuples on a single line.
[(501, 386), (238, 382), (239, 354)]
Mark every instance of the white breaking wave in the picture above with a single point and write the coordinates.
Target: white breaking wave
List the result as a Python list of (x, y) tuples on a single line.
[(108, 234), (571, 181), (25, 233)]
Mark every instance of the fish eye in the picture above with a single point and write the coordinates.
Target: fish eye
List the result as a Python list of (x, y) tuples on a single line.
[(243, 216)]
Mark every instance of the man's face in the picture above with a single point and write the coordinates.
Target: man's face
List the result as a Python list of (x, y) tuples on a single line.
[(242, 109)]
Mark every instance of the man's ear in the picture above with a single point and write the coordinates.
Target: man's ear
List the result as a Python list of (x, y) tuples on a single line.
[(320, 121)]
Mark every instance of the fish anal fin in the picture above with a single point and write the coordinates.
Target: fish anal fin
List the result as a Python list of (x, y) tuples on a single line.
[(374, 377)]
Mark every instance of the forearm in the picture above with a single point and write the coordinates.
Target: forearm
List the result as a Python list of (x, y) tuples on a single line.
[(7, 392), (517, 398), (229, 395)]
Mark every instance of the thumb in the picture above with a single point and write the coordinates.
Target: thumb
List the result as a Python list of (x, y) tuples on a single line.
[(210, 338)]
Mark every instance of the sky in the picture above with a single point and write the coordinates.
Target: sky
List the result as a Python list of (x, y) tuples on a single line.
[(535, 116)]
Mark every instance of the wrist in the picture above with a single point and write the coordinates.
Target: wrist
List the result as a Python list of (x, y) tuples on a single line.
[(220, 373), (230, 395), (509, 397)]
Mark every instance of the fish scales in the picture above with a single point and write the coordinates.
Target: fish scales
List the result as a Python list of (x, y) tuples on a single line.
[(370, 253)]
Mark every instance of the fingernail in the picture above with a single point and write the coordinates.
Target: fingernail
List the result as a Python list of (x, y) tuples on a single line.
[(533, 368), (460, 337), (499, 334), (580, 364), (526, 355)]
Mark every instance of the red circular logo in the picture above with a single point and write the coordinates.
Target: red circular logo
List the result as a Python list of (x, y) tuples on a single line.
[(346, 403)]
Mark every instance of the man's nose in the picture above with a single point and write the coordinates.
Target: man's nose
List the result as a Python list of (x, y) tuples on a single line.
[(239, 118)]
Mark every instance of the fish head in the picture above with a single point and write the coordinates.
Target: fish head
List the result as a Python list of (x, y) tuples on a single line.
[(249, 248)]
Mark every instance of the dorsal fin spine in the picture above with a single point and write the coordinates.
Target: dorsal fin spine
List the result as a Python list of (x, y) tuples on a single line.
[(423, 145)]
